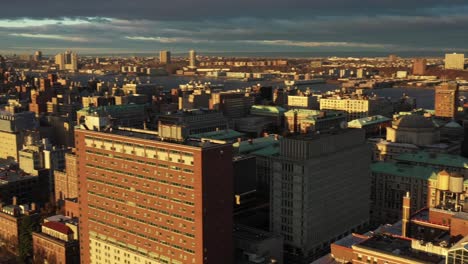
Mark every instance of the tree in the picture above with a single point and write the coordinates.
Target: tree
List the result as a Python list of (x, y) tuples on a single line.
[(25, 247)]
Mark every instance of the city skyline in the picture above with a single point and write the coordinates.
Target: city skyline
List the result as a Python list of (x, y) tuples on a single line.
[(302, 26)]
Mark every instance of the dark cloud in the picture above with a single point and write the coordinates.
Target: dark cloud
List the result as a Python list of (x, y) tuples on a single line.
[(242, 25), (200, 9)]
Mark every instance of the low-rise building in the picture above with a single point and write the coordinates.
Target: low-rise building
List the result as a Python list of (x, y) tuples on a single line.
[(11, 217), (57, 242), (305, 120), (257, 246)]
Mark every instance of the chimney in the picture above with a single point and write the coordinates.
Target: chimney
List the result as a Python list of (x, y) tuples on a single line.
[(406, 215), (15, 200)]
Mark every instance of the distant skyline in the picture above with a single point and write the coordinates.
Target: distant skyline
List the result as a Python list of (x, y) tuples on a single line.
[(147, 26)]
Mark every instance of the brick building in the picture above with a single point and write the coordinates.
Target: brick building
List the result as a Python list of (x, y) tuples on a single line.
[(145, 200)]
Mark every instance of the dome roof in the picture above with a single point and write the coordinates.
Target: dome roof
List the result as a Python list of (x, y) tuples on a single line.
[(453, 124), (414, 121)]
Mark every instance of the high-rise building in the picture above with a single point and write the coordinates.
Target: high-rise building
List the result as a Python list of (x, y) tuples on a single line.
[(446, 96), (192, 59), (320, 186), (419, 66), (67, 61), (38, 55), (165, 57), (147, 200), (455, 61)]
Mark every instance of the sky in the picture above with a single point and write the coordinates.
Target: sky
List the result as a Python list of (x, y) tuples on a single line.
[(147, 26)]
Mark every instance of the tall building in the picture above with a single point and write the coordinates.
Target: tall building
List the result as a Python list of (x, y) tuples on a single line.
[(419, 66), (165, 57), (446, 97), (192, 59), (66, 181), (146, 200), (455, 61), (320, 187), (38, 55), (67, 61)]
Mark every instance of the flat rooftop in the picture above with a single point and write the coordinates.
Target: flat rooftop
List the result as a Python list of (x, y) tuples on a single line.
[(252, 234), (440, 159), (398, 247), (153, 135)]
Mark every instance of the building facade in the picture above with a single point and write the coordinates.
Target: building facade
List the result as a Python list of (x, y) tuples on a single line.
[(144, 200), (455, 61), (318, 186), (446, 99)]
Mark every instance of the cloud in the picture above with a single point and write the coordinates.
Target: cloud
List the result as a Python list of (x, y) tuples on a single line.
[(49, 36), (314, 44), (242, 25), (166, 39)]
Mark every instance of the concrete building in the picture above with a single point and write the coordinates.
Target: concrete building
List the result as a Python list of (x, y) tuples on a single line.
[(165, 57), (67, 61), (373, 125), (410, 134), (446, 100), (303, 101), (66, 181), (132, 115), (13, 128), (357, 106), (152, 201), (178, 126), (437, 234), (192, 59), (232, 104), (390, 182), (38, 55), (275, 114), (318, 186), (454, 61), (305, 121), (257, 246), (57, 242), (16, 183), (419, 66), (438, 161)]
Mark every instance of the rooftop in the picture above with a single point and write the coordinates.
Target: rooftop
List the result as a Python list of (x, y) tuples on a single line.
[(252, 234), (225, 134), (398, 247), (350, 240), (404, 170), (267, 109), (440, 159), (366, 121), (152, 135), (414, 121), (8, 175), (251, 145), (59, 227)]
